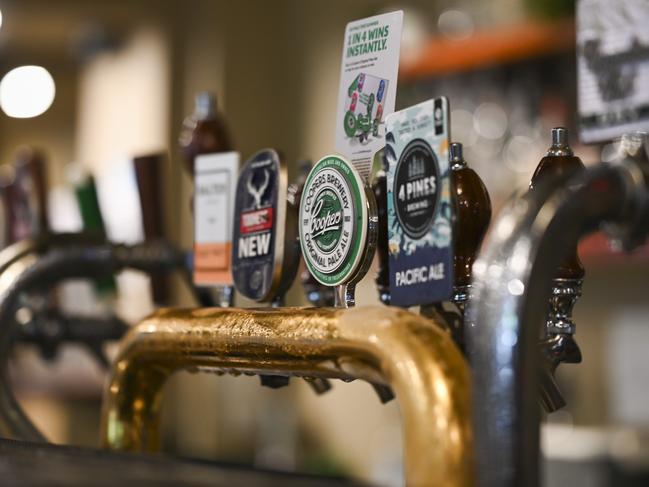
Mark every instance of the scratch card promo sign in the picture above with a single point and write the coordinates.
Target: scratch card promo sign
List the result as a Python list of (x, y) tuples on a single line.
[(256, 223), (368, 86), (419, 204)]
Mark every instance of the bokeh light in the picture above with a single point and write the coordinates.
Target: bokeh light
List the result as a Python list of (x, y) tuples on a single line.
[(26, 92)]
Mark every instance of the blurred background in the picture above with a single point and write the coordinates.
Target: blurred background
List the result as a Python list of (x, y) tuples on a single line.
[(120, 76)]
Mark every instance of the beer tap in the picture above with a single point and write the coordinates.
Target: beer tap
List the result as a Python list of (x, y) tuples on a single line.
[(472, 214), (515, 275), (265, 249), (148, 174), (338, 226), (558, 344), (205, 132), (390, 346), (380, 190)]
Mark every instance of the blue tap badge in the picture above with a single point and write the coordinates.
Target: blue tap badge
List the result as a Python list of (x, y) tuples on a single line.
[(259, 216), (419, 204)]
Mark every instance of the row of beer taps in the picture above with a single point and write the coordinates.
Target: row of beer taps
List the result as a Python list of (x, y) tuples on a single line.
[(469, 373)]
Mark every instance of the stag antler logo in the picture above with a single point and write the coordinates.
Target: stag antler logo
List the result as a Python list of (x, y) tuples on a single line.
[(258, 192)]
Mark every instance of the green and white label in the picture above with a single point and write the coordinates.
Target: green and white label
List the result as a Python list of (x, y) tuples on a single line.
[(368, 86), (333, 221)]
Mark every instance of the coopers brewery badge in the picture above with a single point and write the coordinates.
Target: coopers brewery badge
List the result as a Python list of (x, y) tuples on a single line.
[(333, 221)]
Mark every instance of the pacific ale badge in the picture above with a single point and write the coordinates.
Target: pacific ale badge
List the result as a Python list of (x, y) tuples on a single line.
[(419, 204), (259, 217), (333, 221), (214, 184)]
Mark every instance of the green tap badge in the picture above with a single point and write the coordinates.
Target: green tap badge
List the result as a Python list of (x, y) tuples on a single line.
[(334, 219)]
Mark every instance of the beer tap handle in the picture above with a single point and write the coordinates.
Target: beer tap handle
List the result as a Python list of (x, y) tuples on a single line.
[(149, 181), (31, 170), (559, 346), (205, 132), (472, 208), (380, 190)]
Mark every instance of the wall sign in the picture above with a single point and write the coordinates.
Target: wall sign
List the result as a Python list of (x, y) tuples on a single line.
[(612, 68)]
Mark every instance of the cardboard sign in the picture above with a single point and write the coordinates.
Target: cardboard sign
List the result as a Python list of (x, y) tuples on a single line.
[(214, 185), (260, 218), (368, 86), (612, 68), (419, 204)]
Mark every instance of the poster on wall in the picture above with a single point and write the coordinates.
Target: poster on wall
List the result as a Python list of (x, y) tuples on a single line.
[(612, 68)]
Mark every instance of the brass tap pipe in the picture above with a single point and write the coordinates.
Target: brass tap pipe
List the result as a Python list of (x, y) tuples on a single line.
[(378, 344)]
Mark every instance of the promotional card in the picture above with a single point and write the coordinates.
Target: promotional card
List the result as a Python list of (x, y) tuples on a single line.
[(368, 86), (419, 204), (215, 183)]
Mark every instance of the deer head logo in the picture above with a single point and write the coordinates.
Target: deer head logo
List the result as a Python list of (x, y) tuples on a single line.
[(258, 192)]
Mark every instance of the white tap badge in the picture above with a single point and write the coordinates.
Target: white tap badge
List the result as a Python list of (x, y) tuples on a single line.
[(612, 68), (215, 182), (368, 86)]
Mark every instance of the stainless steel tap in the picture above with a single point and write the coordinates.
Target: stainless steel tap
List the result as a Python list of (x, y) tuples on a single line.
[(558, 344), (513, 280), (34, 266)]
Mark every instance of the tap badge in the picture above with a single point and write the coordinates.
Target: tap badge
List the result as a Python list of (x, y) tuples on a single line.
[(419, 204), (333, 221), (258, 221)]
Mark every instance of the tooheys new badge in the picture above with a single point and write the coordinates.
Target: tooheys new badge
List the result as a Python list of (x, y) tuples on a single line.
[(419, 204), (264, 249), (337, 223)]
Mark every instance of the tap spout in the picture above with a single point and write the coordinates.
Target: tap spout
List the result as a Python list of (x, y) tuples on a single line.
[(512, 279), (381, 345)]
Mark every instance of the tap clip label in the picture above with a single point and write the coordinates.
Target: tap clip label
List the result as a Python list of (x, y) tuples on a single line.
[(214, 184), (419, 204)]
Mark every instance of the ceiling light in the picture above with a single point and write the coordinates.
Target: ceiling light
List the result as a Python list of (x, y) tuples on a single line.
[(26, 92)]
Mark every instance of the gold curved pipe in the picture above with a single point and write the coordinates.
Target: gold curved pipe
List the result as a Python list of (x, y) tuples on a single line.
[(383, 345)]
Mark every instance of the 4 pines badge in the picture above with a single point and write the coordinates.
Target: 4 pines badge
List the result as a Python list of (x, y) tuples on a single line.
[(419, 204), (264, 250), (337, 223)]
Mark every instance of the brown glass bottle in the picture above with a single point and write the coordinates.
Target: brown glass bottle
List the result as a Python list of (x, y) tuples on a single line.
[(472, 207), (561, 160), (204, 132)]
